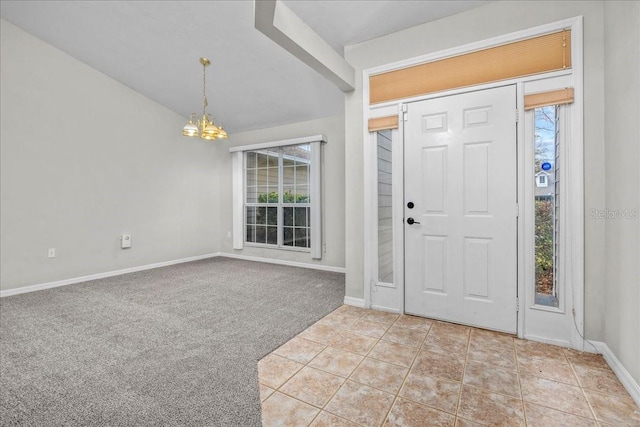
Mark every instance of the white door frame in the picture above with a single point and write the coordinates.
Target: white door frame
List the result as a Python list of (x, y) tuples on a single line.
[(574, 261)]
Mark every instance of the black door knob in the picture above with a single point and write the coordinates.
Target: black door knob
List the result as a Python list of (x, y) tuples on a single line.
[(410, 205), (412, 221)]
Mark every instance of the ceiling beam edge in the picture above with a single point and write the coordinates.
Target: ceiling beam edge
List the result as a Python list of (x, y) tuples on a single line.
[(275, 20)]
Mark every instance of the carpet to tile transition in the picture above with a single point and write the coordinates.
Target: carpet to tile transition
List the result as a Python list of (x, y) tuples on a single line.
[(173, 346)]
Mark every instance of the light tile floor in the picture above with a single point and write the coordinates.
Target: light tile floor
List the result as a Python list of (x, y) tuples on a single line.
[(358, 367)]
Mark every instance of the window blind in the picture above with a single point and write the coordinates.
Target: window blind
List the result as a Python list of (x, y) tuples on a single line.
[(543, 99), (549, 52), (383, 123)]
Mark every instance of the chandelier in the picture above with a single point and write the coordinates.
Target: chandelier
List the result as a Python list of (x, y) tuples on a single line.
[(204, 127)]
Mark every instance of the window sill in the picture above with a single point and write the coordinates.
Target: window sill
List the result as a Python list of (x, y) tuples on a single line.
[(276, 247), (547, 308)]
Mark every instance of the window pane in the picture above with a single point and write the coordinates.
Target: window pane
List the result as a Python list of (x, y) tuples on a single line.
[(252, 195), (274, 159), (261, 215), (385, 231), (272, 176), (272, 216), (289, 194), (250, 159), (302, 194), (263, 194), (261, 234), (272, 235), (251, 233), (301, 154), (288, 236), (251, 177), (302, 175), (288, 175), (271, 196), (301, 217), (301, 237), (546, 205), (263, 160), (261, 176), (251, 215), (287, 214), (288, 161)]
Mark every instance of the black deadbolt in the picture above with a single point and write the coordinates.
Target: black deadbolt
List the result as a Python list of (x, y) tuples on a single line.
[(410, 205)]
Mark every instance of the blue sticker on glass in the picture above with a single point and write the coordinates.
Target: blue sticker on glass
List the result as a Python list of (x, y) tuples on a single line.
[(546, 166)]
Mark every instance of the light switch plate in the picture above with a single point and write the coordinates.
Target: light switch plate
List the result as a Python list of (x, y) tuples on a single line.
[(125, 241)]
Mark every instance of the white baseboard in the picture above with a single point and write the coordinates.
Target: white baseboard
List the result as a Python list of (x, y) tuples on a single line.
[(356, 302), (284, 262), (383, 308), (621, 372), (544, 340), (49, 285)]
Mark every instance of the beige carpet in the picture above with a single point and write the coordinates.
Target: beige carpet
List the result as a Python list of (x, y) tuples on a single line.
[(174, 346)]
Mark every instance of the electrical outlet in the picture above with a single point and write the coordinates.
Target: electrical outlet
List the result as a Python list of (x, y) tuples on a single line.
[(52, 252), (125, 241), (228, 234)]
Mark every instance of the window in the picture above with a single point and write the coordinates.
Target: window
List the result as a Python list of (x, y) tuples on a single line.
[(277, 195), (385, 224), (542, 181), (546, 151)]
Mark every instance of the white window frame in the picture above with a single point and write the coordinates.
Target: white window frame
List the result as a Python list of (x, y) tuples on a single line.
[(380, 295), (280, 205), (315, 191), (555, 325)]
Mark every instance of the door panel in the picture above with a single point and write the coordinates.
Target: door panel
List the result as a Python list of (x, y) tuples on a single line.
[(460, 172)]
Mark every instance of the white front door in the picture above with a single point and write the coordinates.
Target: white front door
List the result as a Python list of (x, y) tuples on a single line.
[(461, 231)]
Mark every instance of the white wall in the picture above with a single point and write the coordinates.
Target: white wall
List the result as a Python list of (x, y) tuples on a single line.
[(622, 157), (333, 189), (84, 159), (491, 20), (611, 159)]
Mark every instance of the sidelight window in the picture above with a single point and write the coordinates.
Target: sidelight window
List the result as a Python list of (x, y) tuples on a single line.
[(385, 223), (547, 205)]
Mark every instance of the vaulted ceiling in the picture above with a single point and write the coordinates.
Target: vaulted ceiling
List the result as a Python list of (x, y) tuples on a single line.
[(153, 47)]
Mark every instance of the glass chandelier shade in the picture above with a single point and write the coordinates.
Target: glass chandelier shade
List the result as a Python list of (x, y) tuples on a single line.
[(204, 127)]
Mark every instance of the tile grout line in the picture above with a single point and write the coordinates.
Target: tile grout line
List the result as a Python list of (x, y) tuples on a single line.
[(404, 380), (363, 359), (515, 357), (582, 389), (595, 419), (455, 413), (277, 390), (322, 409), (464, 371), (345, 378), (418, 349), (397, 395)]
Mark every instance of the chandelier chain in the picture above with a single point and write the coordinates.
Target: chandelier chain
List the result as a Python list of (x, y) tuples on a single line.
[(205, 103)]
